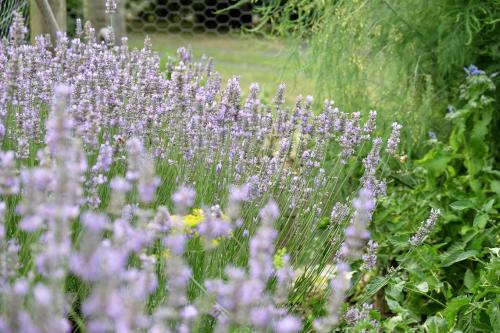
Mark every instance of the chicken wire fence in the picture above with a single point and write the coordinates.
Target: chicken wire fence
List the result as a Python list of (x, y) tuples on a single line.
[(155, 16), (188, 16), (7, 10)]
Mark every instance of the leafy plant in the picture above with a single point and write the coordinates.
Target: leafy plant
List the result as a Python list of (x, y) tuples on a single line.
[(452, 281)]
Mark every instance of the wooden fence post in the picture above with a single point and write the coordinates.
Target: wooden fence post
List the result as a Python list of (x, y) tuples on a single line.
[(45, 21)]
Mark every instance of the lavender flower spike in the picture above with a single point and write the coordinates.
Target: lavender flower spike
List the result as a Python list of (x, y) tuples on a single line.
[(370, 257), (393, 142), (425, 228), (356, 233), (184, 198), (288, 324), (338, 287), (17, 31)]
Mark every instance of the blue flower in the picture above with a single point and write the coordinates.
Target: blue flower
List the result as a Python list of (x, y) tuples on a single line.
[(432, 135), (473, 70)]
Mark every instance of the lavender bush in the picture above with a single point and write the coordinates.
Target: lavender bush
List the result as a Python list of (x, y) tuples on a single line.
[(138, 199)]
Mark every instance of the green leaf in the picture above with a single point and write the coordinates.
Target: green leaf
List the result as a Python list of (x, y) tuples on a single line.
[(471, 234), (462, 204), (495, 186), (487, 206), (391, 324), (465, 322), (435, 162), (436, 325), (481, 220), (396, 291), (423, 287), (494, 314), (452, 308), (456, 257), (394, 305), (469, 280), (373, 287), (399, 240), (456, 247), (478, 145)]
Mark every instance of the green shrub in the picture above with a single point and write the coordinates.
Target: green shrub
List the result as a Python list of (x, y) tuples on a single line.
[(451, 282)]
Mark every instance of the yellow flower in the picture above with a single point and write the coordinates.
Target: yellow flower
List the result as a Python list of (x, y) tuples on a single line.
[(166, 253), (186, 223), (278, 258), (193, 219)]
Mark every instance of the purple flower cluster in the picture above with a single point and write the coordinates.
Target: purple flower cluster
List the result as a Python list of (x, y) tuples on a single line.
[(99, 137), (244, 298), (122, 96), (356, 315), (370, 257)]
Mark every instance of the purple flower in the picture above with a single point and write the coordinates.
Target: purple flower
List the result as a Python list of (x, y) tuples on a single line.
[(262, 244), (114, 105), (393, 141), (213, 228), (148, 181), (426, 228), (370, 257), (189, 313), (95, 222), (288, 324), (9, 181), (104, 159), (17, 31), (175, 242), (354, 315), (356, 233), (261, 316), (270, 212), (120, 184), (184, 197), (42, 294), (239, 194), (370, 124), (338, 287), (135, 150)]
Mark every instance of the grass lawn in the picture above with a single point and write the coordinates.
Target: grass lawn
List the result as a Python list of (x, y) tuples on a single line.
[(253, 59)]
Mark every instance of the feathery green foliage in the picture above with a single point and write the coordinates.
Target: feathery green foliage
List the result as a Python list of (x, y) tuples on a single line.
[(400, 57)]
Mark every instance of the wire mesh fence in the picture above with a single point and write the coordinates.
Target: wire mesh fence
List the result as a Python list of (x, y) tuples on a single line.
[(152, 16), (7, 10), (188, 16)]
